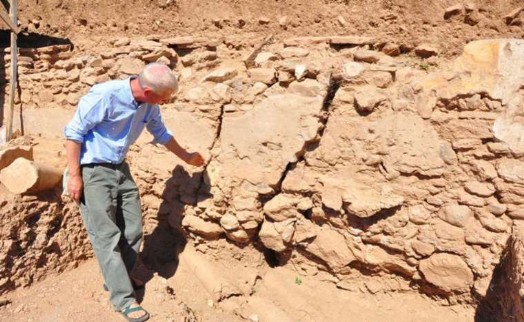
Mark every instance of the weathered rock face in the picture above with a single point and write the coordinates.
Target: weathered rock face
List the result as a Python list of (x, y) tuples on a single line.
[(38, 238), (488, 68), (352, 161), (407, 177), (39, 234), (277, 129), (448, 272)]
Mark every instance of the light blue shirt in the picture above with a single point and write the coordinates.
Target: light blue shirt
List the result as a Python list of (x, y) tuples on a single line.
[(109, 120)]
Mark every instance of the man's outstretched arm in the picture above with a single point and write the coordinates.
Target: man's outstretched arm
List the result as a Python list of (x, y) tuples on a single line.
[(192, 158)]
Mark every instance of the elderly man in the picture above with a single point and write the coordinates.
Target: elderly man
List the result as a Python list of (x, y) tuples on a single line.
[(107, 122)]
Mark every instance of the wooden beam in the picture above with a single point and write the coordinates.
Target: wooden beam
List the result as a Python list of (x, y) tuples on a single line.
[(13, 77), (5, 17)]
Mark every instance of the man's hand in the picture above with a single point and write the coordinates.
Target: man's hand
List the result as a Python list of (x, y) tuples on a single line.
[(195, 159), (74, 187)]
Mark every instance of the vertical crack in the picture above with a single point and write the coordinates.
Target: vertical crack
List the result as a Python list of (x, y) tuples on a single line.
[(333, 87), (217, 138), (219, 130)]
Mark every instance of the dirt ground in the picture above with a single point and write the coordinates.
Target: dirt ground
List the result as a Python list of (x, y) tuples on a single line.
[(221, 282), (277, 295)]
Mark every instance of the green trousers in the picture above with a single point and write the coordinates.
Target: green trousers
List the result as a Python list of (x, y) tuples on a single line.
[(111, 212)]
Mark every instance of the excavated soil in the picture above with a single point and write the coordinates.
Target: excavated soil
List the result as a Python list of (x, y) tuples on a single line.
[(410, 22), (285, 244)]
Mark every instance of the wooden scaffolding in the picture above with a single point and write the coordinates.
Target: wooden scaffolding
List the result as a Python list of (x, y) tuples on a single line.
[(11, 21)]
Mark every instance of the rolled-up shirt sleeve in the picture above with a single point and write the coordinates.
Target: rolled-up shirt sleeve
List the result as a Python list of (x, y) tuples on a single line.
[(92, 109), (156, 127)]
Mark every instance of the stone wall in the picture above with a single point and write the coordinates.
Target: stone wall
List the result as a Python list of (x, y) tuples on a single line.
[(327, 153)]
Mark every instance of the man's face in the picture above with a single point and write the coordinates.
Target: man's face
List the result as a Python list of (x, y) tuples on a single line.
[(154, 98)]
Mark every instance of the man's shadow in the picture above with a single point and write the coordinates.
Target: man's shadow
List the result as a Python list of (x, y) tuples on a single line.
[(161, 250)]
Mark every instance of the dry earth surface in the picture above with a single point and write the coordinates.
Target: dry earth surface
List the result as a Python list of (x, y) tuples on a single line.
[(365, 160), (77, 295)]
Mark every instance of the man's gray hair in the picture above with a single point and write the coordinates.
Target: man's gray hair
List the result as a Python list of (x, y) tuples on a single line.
[(159, 78)]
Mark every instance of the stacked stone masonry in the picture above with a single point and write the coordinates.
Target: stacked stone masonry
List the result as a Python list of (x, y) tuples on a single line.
[(341, 159)]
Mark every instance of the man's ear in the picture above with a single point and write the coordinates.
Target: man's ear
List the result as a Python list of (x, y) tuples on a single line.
[(147, 91)]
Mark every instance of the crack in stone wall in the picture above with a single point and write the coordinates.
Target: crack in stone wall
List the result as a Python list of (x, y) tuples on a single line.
[(203, 184), (333, 86)]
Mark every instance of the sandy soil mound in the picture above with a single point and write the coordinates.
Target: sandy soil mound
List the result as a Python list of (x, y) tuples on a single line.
[(404, 22)]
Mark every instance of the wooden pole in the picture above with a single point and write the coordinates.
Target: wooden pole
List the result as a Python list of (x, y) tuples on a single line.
[(8, 20), (14, 69)]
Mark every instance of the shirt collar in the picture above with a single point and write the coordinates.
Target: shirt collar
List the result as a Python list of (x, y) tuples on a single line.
[(129, 91)]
